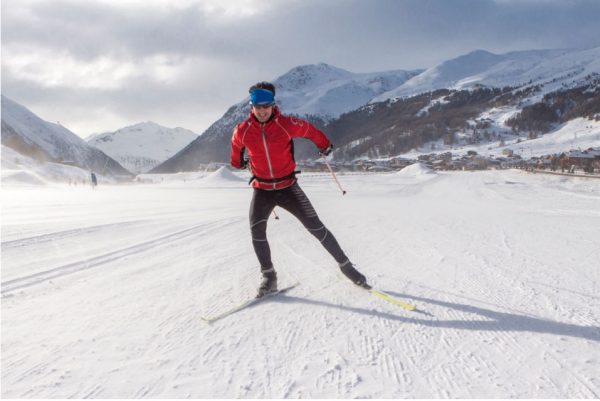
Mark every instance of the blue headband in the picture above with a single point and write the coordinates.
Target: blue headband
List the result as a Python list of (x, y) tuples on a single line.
[(262, 97)]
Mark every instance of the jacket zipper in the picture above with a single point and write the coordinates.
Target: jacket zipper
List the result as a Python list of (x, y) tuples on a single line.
[(264, 137)]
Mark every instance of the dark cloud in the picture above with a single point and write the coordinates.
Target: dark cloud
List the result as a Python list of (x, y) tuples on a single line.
[(88, 29), (215, 57)]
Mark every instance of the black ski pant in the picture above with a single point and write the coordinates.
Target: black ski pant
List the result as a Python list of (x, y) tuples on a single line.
[(294, 200)]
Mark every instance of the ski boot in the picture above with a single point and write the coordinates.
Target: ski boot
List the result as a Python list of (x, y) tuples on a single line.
[(268, 284), (354, 275)]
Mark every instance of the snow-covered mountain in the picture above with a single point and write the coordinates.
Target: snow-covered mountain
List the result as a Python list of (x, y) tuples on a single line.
[(326, 94), (550, 69), (28, 134), (141, 147), (331, 97), (318, 91), (324, 91), (327, 91)]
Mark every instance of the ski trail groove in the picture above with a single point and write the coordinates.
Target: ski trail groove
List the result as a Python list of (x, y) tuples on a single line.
[(48, 237), (36, 278)]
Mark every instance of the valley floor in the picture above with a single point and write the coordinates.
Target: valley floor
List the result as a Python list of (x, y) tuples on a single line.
[(103, 291)]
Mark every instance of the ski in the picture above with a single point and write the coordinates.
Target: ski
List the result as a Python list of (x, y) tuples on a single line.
[(393, 300), (246, 304), (385, 296)]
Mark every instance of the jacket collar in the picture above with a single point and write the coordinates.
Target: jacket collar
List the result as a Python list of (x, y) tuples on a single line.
[(253, 120)]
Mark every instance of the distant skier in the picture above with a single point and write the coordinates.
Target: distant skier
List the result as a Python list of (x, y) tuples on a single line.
[(267, 137), (94, 181)]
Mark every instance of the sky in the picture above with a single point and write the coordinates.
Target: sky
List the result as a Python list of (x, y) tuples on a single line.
[(100, 65)]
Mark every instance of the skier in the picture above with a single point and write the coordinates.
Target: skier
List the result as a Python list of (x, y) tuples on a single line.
[(94, 180), (267, 138)]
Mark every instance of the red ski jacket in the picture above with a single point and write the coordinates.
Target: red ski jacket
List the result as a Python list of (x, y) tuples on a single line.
[(270, 148)]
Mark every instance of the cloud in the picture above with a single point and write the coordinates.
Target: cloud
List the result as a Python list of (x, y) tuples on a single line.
[(89, 29), (106, 63)]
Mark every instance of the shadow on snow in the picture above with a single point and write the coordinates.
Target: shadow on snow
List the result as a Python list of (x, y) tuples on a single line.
[(494, 320)]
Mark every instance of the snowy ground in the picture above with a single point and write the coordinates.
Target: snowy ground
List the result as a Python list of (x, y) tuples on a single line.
[(103, 291)]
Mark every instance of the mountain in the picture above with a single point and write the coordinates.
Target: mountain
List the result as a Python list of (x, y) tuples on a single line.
[(327, 92), (547, 68), (320, 93), (479, 119), (143, 146), (28, 134), (359, 113)]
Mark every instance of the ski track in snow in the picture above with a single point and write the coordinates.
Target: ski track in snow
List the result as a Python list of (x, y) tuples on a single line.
[(26, 281), (503, 262)]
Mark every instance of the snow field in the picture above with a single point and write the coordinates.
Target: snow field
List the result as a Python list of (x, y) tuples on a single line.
[(103, 291)]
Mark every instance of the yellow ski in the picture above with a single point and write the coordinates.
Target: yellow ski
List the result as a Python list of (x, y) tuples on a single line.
[(392, 300), (385, 296)]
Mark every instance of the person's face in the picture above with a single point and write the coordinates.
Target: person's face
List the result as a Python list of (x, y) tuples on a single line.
[(262, 113)]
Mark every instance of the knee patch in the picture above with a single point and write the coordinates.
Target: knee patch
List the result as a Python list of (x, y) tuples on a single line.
[(259, 230), (320, 233)]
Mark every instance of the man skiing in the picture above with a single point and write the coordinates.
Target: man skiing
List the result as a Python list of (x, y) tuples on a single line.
[(94, 180), (267, 138)]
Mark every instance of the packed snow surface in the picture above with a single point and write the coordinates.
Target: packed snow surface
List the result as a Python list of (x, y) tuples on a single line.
[(103, 290)]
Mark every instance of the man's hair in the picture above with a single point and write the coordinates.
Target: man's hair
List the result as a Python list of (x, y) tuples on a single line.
[(263, 85)]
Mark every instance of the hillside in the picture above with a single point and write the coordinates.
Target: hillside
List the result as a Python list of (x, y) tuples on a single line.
[(548, 69), (319, 92), (28, 134), (444, 119), (403, 111)]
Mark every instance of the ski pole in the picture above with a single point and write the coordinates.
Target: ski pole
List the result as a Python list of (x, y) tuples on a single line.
[(275, 214), (333, 174)]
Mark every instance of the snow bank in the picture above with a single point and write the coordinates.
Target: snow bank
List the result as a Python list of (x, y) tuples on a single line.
[(18, 169), (175, 178), (223, 174), (222, 177), (21, 177), (416, 170)]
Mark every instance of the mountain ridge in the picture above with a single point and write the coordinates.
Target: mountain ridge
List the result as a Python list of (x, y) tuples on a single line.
[(142, 146), (358, 111), (309, 91), (326, 93), (44, 141), (516, 68)]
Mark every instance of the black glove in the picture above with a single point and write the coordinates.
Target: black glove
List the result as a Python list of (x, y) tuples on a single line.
[(327, 151), (244, 163)]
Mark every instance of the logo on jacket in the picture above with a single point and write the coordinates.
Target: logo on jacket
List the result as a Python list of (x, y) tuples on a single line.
[(296, 121)]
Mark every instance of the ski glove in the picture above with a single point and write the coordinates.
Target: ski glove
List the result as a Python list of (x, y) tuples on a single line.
[(327, 151)]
